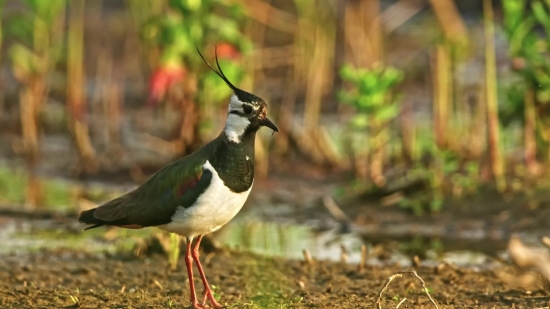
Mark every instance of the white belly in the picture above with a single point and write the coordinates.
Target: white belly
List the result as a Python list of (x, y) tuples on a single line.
[(213, 209)]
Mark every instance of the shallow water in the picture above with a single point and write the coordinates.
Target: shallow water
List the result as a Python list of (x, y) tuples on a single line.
[(246, 234), (274, 229)]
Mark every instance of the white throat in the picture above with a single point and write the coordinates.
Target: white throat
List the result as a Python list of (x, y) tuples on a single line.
[(235, 124), (235, 127)]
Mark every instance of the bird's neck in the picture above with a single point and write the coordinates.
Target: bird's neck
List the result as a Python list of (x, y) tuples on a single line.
[(234, 162)]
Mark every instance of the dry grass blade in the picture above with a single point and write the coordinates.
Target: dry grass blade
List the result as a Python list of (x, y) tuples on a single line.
[(398, 275), (307, 257), (334, 209), (363, 261), (400, 303)]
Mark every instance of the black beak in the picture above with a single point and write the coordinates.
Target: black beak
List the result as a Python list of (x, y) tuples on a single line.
[(266, 122)]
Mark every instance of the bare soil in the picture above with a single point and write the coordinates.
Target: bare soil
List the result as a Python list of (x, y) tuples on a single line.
[(68, 279)]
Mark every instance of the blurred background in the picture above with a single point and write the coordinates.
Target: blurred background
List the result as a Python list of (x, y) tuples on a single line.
[(409, 127)]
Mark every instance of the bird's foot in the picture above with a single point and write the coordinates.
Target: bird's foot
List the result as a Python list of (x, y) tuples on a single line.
[(208, 295), (196, 305)]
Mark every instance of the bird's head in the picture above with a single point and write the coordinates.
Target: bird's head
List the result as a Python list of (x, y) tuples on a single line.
[(246, 112)]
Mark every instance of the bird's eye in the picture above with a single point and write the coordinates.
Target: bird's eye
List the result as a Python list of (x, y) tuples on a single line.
[(247, 109)]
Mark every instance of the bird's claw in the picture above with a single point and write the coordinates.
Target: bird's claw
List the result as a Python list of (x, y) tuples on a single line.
[(213, 302), (199, 306)]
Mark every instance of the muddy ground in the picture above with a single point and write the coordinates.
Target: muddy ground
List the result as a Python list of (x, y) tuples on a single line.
[(68, 279)]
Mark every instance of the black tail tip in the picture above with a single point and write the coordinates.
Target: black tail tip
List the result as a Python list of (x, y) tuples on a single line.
[(87, 217)]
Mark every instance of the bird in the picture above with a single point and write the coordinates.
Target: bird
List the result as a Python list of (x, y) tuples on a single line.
[(199, 193)]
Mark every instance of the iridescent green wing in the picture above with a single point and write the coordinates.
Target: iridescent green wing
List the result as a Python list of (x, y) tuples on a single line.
[(178, 184)]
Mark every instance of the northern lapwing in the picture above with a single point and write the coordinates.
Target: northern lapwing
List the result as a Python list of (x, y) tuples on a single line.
[(199, 193)]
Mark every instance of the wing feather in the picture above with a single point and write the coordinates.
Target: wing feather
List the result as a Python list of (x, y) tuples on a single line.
[(154, 203)]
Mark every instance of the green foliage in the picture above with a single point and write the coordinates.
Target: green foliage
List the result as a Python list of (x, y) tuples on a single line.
[(512, 110), (370, 94), (39, 44), (530, 48), (2, 2), (232, 70), (174, 250), (191, 24), (447, 174)]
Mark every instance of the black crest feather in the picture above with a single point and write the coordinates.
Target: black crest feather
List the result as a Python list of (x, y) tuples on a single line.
[(219, 70), (241, 94)]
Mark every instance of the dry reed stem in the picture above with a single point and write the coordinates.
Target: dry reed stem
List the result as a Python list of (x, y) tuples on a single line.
[(75, 87), (530, 132), (363, 261), (450, 20), (441, 94), (398, 275), (268, 15), (363, 33), (497, 163)]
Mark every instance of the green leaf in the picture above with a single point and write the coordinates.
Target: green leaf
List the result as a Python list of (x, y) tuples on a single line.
[(151, 30), (170, 57), (513, 14), (237, 12), (390, 77), (348, 73), (370, 103), (346, 97), (229, 30), (193, 5), (369, 82), (185, 6), (23, 61), (359, 121), (195, 31), (437, 203), (387, 112), (48, 11), (542, 77), (519, 36), (20, 26), (543, 96), (541, 15)]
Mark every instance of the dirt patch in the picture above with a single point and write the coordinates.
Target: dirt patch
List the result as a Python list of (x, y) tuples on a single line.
[(68, 279)]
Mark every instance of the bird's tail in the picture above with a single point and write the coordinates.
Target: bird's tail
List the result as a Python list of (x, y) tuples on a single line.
[(87, 217)]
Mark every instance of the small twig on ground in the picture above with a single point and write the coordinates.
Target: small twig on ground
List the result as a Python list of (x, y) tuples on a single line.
[(307, 257), (363, 261), (398, 275), (400, 303), (157, 283)]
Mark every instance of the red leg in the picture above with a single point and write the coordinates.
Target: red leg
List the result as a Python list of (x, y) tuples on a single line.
[(189, 264), (208, 294)]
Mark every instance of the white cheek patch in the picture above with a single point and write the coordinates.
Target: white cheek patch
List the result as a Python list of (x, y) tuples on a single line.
[(235, 104), (235, 127)]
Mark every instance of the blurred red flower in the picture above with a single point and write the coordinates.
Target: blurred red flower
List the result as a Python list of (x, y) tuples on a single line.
[(227, 50), (164, 77)]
